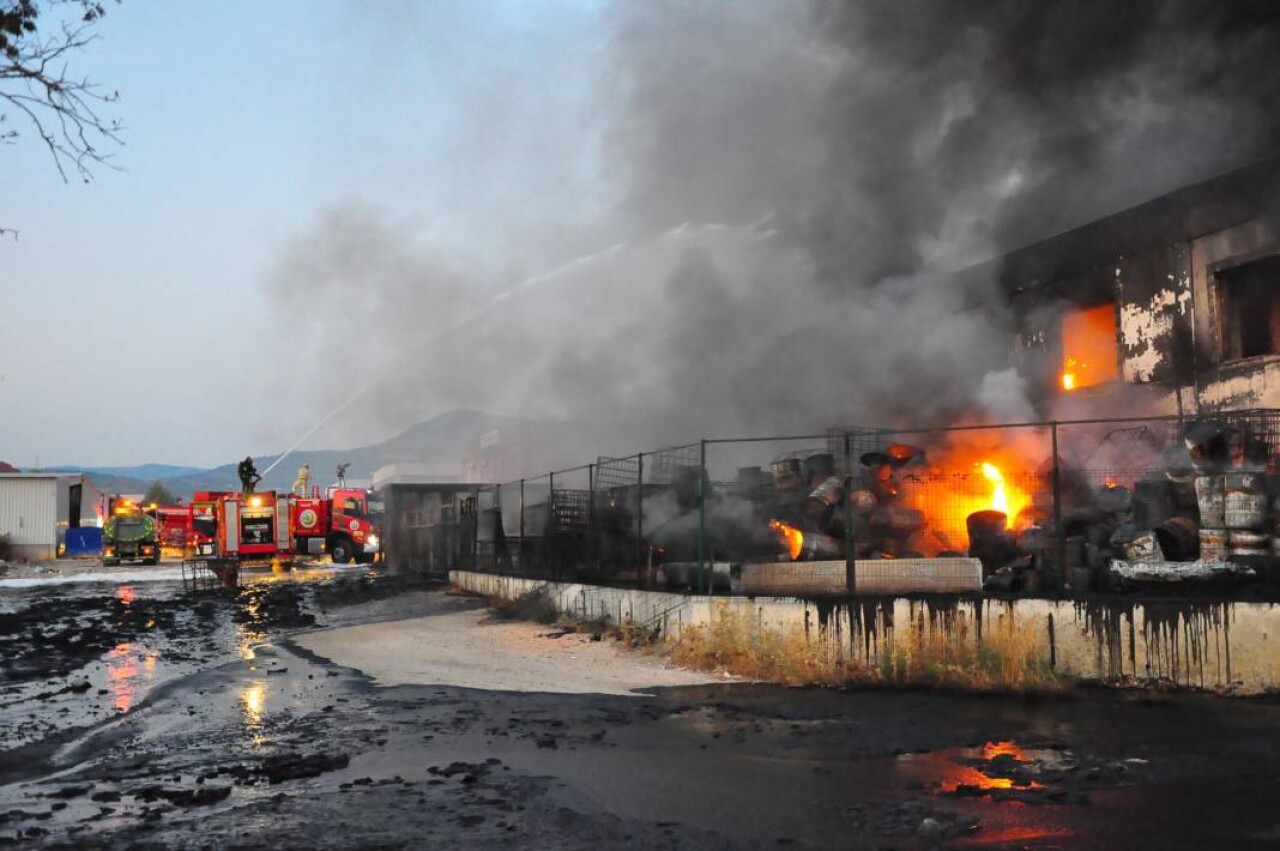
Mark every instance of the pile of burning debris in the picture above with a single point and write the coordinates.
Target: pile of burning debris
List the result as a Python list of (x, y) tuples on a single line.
[(1199, 513)]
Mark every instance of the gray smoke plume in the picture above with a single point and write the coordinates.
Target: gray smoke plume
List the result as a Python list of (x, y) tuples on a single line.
[(989, 125), (794, 184)]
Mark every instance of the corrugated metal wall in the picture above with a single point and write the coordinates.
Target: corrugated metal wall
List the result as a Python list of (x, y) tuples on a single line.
[(29, 511)]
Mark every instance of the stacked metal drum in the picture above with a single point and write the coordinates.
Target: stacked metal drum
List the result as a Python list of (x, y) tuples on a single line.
[(1231, 491)]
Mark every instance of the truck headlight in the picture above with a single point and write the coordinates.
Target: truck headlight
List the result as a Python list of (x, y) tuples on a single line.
[(372, 541)]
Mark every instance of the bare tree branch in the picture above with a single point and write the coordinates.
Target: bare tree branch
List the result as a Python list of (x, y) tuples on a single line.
[(65, 111)]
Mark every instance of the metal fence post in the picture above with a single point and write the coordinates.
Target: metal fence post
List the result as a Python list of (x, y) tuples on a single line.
[(591, 518), (475, 531), (552, 525), (499, 528), (850, 569), (524, 565), (640, 560), (1061, 540), (702, 519)]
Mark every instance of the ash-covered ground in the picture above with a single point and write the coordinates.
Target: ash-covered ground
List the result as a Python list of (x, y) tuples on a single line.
[(139, 717)]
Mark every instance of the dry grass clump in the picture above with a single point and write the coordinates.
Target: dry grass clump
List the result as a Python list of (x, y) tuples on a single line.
[(635, 635), (537, 607), (1008, 655), (733, 643)]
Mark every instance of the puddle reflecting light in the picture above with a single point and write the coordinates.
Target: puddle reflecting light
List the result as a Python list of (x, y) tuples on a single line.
[(122, 670), (253, 701)]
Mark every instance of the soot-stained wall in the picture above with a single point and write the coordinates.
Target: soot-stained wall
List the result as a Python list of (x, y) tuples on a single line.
[(1160, 264)]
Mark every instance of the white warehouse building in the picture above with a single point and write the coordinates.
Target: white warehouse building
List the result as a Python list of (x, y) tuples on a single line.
[(36, 509)]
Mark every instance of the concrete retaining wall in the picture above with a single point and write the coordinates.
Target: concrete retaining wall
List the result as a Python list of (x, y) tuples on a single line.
[(1229, 647)]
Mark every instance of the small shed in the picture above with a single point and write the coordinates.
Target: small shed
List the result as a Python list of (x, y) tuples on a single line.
[(429, 527), (37, 509)]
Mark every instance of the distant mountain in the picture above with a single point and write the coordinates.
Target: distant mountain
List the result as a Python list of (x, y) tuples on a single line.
[(142, 472), (444, 441)]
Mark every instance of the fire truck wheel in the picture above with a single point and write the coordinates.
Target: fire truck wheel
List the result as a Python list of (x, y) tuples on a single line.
[(110, 562), (340, 550)]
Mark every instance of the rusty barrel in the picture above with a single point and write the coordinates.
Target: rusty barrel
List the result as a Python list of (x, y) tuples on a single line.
[(990, 540), (1213, 544), (820, 547), (1142, 547), (1244, 501), (896, 521), (1179, 538), (1210, 498), (1115, 500), (1248, 543)]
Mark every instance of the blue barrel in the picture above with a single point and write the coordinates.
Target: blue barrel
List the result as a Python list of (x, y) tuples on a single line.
[(84, 541)]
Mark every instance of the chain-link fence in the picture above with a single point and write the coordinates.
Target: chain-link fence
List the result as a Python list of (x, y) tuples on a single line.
[(1049, 502)]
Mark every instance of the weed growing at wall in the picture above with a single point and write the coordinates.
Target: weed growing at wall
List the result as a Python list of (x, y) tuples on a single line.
[(1006, 656)]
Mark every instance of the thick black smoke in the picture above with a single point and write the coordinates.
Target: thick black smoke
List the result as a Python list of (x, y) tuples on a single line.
[(987, 125), (795, 181)]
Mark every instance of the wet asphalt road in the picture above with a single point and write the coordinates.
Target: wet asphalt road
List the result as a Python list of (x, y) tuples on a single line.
[(203, 725)]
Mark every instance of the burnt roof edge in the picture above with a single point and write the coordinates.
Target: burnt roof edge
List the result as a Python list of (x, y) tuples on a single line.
[(1186, 213)]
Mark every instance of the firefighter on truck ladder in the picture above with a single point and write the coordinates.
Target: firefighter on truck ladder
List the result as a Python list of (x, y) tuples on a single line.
[(300, 483), (248, 473)]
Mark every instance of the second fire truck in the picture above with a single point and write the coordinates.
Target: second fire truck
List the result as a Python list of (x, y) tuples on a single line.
[(343, 524)]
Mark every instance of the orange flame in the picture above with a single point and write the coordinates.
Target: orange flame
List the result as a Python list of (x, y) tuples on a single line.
[(1090, 354), (1004, 497), (999, 498), (965, 485), (991, 750), (791, 537)]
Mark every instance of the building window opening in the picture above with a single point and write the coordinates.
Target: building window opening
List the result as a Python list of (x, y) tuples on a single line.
[(1090, 348), (1249, 309)]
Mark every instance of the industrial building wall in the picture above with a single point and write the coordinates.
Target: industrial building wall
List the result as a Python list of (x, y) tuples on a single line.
[(426, 529), (29, 516)]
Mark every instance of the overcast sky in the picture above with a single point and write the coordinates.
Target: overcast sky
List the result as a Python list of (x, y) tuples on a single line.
[(136, 324)]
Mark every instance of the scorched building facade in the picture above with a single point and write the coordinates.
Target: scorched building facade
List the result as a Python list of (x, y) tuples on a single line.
[(1180, 295)]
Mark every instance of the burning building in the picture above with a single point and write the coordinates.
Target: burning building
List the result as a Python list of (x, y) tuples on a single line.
[(1147, 342), (1169, 309), (1178, 295), (1153, 338)]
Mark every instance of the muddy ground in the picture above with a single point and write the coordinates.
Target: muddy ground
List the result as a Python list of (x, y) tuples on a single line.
[(137, 717)]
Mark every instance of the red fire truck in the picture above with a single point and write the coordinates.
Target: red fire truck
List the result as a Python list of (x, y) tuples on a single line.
[(254, 526), (187, 530), (345, 524), (204, 521)]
